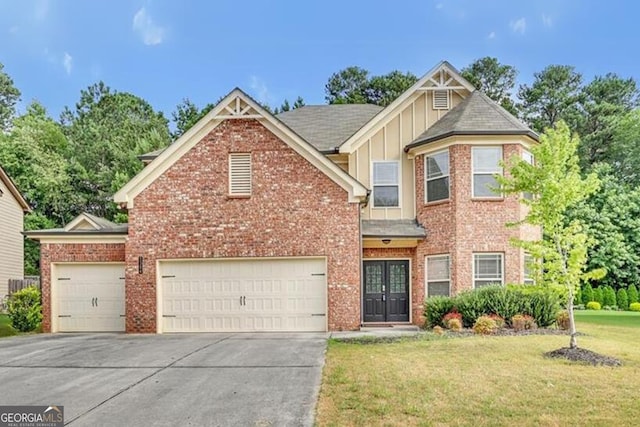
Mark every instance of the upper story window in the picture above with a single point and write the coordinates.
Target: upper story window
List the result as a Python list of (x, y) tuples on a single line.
[(386, 184), (487, 270), (240, 174), (486, 164), (437, 176), (438, 275)]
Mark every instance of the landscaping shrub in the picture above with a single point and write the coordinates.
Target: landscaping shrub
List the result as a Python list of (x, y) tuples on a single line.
[(454, 324), (471, 305), (505, 301), (435, 309), (543, 307), (484, 325), (579, 307), (24, 309), (632, 294), (609, 296), (521, 322), (593, 305), (634, 306), (587, 294), (562, 320), (438, 330), (623, 299), (598, 295), (498, 319)]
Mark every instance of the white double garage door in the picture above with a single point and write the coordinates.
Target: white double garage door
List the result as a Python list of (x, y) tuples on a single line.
[(257, 294)]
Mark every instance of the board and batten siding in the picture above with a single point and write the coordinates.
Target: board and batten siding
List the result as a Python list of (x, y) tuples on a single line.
[(11, 239), (386, 142)]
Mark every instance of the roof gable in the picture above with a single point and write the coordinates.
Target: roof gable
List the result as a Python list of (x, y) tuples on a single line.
[(86, 221), (11, 186), (442, 76), (237, 105), (476, 115)]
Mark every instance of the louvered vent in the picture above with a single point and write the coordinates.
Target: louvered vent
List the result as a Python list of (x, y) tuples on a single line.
[(240, 174), (440, 99)]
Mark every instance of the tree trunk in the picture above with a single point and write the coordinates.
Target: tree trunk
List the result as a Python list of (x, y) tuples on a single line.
[(573, 343)]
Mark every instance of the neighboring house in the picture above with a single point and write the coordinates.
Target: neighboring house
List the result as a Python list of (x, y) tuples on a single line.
[(12, 210), (321, 218)]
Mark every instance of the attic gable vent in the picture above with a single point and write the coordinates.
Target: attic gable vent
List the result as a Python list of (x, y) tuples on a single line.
[(440, 99), (240, 174)]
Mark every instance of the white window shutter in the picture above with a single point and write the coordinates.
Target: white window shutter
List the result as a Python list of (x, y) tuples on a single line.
[(240, 174), (441, 99)]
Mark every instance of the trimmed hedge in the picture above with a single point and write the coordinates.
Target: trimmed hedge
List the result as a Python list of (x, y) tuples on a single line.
[(541, 303)]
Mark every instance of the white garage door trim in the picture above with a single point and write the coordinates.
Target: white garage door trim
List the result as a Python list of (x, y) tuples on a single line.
[(317, 321), (60, 269)]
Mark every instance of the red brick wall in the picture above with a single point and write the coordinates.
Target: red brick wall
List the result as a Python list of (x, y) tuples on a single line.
[(80, 252), (294, 210)]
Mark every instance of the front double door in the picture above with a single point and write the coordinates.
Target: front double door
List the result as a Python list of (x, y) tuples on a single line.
[(386, 291)]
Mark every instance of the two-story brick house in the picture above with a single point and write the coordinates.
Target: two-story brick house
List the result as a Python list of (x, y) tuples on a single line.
[(321, 218)]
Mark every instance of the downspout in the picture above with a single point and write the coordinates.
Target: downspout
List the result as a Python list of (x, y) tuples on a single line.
[(363, 205)]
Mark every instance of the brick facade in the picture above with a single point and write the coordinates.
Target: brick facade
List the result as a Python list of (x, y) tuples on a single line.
[(76, 253), (294, 210)]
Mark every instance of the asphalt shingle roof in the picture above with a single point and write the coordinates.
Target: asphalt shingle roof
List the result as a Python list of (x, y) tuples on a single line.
[(477, 114), (326, 127), (392, 228)]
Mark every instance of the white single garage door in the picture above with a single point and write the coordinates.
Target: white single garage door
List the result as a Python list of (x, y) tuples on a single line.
[(244, 295), (90, 297)]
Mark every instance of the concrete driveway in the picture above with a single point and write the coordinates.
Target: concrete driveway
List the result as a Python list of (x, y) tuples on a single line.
[(195, 379)]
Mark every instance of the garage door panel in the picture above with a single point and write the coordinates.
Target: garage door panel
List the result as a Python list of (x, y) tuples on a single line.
[(244, 295), (90, 297)]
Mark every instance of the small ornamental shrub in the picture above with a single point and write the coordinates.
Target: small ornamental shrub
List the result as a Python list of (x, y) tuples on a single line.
[(609, 296), (438, 330), (593, 305), (435, 309), (598, 295), (454, 324), (562, 320), (610, 308), (623, 299), (24, 309), (498, 319), (522, 322), (579, 307), (634, 306), (587, 293), (484, 325), (452, 315), (632, 294)]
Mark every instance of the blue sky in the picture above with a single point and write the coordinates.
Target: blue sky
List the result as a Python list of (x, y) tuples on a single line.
[(166, 50)]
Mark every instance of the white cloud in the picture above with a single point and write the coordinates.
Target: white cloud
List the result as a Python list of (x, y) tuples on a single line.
[(67, 62), (150, 32), (492, 35), (41, 10), (260, 90), (519, 26), (546, 20)]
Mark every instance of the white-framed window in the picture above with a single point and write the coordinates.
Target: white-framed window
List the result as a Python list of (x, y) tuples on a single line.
[(486, 164), (528, 157), (386, 188), (441, 99), (239, 174), (529, 266), (438, 275), (488, 269), (436, 167)]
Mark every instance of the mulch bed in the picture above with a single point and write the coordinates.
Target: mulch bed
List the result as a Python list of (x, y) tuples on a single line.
[(583, 355)]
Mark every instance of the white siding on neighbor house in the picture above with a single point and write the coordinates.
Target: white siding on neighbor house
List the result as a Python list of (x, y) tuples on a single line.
[(11, 241)]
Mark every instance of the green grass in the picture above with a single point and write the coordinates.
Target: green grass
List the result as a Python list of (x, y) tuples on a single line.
[(611, 318), (5, 326), (484, 381)]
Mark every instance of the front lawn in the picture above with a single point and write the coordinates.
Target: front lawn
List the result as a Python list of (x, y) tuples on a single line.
[(483, 381), (5, 326), (609, 318)]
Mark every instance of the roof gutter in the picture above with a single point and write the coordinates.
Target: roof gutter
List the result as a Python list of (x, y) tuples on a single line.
[(436, 138)]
